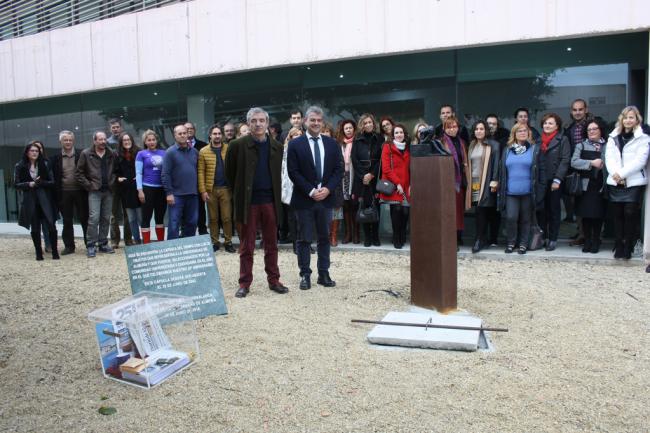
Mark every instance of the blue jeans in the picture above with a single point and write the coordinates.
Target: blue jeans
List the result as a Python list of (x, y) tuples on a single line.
[(319, 217), (135, 220), (186, 211), (100, 204)]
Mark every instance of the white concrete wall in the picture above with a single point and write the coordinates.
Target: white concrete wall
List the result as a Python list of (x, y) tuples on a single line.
[(205, 37)]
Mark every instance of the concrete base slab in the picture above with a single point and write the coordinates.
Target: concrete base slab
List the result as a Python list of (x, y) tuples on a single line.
[(429, 338)]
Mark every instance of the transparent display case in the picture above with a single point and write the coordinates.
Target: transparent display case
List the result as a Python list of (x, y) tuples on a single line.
[(147, 338)]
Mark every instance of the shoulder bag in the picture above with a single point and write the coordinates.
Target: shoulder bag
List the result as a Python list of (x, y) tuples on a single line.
[(385, 186), (367, 214), (536, 238), (573, 184)]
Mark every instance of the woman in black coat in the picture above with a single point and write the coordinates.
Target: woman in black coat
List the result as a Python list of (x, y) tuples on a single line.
[(366, 154), (34, 178), (588, 160), (127, 188), (483, 167), (557, 156)]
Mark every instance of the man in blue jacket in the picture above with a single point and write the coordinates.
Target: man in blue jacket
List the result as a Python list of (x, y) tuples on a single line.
[(179, 178), (315, 166)]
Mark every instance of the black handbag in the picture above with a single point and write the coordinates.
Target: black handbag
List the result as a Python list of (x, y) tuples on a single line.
[(536, 237), (368, 214), (573, 184), (385, 186)]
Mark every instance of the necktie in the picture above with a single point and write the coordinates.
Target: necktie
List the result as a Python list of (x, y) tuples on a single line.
[(319, 171)]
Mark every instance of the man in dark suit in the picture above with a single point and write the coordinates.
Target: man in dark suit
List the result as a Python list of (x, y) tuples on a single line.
[(315, 166)]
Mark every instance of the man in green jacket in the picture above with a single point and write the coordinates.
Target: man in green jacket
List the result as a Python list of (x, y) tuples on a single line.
[(253, 171)]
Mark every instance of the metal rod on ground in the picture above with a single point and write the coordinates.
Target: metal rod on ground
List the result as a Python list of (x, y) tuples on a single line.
[(429, 325)]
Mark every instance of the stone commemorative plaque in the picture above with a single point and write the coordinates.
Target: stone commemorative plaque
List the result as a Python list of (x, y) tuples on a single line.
[(185, 266)]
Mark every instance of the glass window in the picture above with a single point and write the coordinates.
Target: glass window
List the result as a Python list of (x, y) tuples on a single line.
[(609, 72)]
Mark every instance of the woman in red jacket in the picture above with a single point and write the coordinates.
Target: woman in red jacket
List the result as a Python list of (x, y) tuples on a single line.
[(395, 158)]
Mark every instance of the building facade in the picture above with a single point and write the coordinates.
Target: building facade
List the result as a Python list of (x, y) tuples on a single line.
[(208, 61)]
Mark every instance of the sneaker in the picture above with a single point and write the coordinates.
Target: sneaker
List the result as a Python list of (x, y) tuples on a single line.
[(91, 252), (106, 249)]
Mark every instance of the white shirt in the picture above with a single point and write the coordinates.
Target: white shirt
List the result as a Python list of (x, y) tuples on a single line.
[(322, 156)]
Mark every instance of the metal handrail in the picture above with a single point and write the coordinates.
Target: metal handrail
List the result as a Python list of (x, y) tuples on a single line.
[(26, 17)]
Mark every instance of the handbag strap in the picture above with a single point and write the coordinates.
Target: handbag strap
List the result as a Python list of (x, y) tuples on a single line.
[(390, 155)]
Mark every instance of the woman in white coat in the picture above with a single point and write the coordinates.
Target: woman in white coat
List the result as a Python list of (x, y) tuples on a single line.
[(287, 189), (626, 156), (646, 234)]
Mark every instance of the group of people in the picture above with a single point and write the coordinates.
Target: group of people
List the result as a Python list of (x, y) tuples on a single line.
[(304, 184), (525, 175)]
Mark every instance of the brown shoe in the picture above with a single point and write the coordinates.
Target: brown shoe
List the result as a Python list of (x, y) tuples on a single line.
[(577, 242), (334, 228)]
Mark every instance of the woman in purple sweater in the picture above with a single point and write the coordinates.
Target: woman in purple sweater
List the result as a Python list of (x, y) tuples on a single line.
[(148, 169)]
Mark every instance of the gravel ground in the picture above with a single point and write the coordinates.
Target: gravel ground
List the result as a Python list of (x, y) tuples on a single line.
[(576, 358)]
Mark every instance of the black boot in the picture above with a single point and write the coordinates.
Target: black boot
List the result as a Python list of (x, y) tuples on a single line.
[(375, 234), (395, 219), (36, 238), (619, 249), (54, 242), (628, 248), (367, 234), (586, 247)]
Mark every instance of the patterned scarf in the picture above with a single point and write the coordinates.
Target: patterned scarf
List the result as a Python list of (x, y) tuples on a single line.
[(457, 159), (518, 149)]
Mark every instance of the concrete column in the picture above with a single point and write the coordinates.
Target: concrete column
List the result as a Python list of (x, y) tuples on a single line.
[(200, 111)]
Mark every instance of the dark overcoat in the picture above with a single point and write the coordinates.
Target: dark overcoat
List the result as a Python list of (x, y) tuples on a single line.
[(241, 162), (41, 193)]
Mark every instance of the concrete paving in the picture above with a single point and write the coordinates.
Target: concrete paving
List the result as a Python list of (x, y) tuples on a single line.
[(564, 252)]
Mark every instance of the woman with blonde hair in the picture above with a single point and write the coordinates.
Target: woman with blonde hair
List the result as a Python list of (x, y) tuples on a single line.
[(148, 170), (289, 218), (366, 154), (522, 182), (419, 127), (626, 156), (646, 225)]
